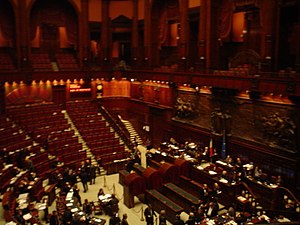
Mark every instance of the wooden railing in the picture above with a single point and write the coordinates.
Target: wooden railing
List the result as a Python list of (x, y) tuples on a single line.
[(115, 125), (261, 82)]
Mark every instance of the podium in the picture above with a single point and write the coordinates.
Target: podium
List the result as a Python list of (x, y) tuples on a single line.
[(169, 173), (184, 166), (134, 186), (153, 178)]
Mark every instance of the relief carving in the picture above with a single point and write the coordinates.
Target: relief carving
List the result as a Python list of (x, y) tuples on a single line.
[(185, 109), (279, 130)]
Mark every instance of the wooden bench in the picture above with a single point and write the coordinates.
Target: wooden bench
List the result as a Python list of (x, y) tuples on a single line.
[(180, 196), (190, 186), (160, 202)]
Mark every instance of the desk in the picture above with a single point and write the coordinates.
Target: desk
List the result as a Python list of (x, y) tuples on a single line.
[(229, 190), (104, 202), (116, 166), (77, 213)]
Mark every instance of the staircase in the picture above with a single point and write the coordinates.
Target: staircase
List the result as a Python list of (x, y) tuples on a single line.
[(89, 154), (134, 136)]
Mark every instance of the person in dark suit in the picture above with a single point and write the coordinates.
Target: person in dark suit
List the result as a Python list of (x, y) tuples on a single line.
[(114, 220), (178, 220), (191, 220), (113, 205), (54, 220), (84, 178), (212, 209), (162, 218), (87, 207), (92, 174), (149, 215), (204, 194), (124, 219)]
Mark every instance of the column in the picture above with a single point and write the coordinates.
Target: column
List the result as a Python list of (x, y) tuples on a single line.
[(85, 33), (147, 33), (184, 33), (24, 34), (18, 35), (135, 35), (202, 36), (104, 54), (268, 21)]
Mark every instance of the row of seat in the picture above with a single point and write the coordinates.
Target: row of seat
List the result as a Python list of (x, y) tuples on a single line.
[(102, 150), (56, 144), (95, 132), (98, 137)]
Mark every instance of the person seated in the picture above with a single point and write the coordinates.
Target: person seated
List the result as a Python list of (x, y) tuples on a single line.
[(199, 215), (229, 160), (19, 217), (224, 175), (162, 218), (257, 173), (215, 191), (239, 165), (212, 209), (191, 219), (204, 194), (87, 207), (178, 220), (279, 180), (100, 192), (113, 206)]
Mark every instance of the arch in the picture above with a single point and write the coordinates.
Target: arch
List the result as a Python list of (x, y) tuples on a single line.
[(8, 17), (72, 3), (59, 27)]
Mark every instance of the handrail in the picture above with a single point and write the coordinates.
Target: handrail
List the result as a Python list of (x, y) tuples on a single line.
[(116, 126), (290, 193), (249, 189)]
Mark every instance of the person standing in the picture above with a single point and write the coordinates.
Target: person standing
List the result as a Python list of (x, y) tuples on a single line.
[(114, 220), (84, 179), (149, 215), (124, 219), (162, 218)]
